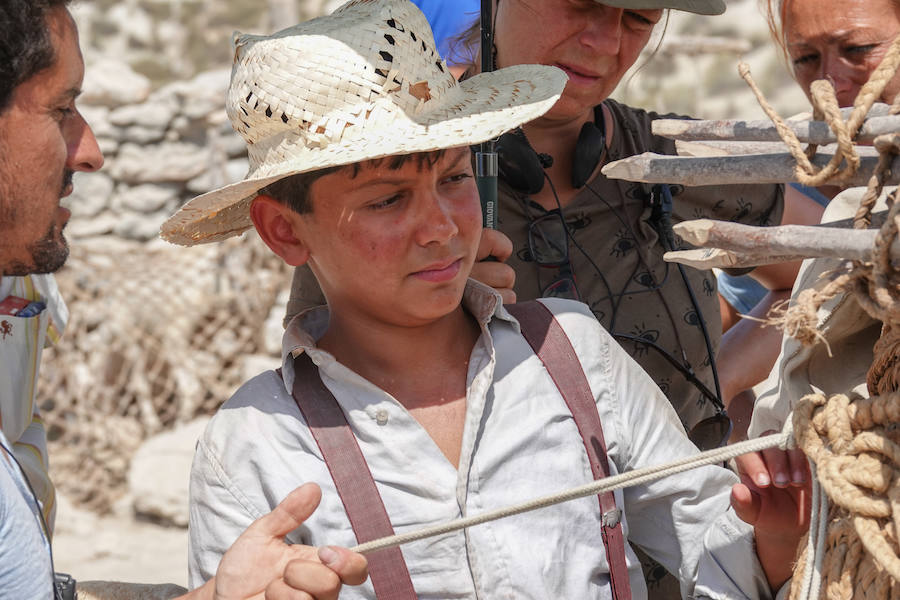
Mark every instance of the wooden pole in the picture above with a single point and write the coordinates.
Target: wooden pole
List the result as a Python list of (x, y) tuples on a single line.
[(726, 244), (813, 132), (726, 170)]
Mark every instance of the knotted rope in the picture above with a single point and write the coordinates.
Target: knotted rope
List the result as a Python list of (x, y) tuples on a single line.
[(825, 107)]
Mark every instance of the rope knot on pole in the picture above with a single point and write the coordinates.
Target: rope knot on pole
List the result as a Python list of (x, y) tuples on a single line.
[(845, 162)]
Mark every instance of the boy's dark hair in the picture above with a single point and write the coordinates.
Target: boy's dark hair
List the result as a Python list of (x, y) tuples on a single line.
[(293, 191), (25, 45)]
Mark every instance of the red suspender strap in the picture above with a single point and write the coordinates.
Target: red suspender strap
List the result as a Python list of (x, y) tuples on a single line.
[(551, 344), (352, 478)]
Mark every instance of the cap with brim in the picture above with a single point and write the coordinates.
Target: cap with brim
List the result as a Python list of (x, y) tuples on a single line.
[(701, 7), (362, 83)]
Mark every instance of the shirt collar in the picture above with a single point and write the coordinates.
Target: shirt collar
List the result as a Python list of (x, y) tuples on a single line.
[(305, 329)]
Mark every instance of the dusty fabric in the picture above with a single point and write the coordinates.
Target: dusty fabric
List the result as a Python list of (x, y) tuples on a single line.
[(519, 442), (849, 331), (22, 341), (646, 298)]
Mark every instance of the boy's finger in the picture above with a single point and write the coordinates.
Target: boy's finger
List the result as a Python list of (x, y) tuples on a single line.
[(498, 275), (351, 567), (290, 513), (494, 243)]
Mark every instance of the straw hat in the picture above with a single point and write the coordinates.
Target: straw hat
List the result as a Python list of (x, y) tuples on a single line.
[(361, 83)]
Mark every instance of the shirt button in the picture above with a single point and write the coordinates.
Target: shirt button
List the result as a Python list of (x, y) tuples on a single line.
[(381, 416)]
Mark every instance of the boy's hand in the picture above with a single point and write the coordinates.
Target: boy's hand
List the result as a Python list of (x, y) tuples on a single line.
[(495, 273), (261, 565), (774, 497)]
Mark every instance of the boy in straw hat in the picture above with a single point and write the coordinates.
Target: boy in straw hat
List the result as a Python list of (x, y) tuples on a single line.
[(416, 397)]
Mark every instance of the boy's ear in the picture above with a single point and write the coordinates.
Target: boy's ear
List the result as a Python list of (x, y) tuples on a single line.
[(276, 224)]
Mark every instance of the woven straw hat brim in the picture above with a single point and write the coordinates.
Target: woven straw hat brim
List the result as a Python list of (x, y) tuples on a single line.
[(477, 110), (700, 7)]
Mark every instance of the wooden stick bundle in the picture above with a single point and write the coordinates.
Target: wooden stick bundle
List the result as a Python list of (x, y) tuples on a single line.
[(726, 244)]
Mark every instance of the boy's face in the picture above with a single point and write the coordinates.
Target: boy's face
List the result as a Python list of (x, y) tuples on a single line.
[(394, 245)]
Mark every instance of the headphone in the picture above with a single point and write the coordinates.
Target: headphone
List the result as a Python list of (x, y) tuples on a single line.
[(523, 168)]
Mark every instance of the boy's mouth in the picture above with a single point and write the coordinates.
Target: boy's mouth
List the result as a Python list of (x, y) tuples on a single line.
[(440, 272)]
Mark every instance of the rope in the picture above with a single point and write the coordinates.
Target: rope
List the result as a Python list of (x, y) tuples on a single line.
[(855, 447), (825, 107), (781, 440)]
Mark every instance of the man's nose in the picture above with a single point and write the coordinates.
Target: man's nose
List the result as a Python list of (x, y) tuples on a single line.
[(83, 151)]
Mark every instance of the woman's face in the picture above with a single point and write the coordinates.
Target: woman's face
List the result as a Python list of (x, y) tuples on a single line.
[(593, 43), (840, 40)]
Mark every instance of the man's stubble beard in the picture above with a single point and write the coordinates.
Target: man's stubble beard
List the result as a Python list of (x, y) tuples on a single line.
[(49, 253)]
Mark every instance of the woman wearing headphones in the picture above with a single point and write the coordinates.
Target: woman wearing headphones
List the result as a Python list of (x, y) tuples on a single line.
[(609, 253)]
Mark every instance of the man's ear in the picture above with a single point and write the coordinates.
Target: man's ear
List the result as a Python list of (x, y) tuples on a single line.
[(276, 224)]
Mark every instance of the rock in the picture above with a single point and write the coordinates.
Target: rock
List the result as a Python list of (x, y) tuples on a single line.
[(91, 194), (108, 146), (143, 135), (154, 114), (110, 82), (202, 96), (140, 226), (139, 27), (160, 472), (98, 225), (98, 118), (145, 198), (234, 145), (168, 161), (234, 170)]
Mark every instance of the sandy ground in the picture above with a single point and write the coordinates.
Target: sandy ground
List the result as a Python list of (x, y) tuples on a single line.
[(117, 547)]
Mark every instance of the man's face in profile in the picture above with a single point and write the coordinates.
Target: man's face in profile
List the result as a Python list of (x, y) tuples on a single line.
[(43, 141)]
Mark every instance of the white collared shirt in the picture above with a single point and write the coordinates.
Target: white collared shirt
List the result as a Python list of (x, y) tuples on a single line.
[(520, 441)]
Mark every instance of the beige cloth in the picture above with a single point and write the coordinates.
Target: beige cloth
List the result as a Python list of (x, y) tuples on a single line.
[(646, 297), (849, 331)]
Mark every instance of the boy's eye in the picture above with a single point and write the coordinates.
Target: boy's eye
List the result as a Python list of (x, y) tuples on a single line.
[(458, 177), (385, 203)]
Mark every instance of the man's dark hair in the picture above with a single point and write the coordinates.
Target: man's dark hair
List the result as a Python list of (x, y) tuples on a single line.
[(25, 45), (293, 191)]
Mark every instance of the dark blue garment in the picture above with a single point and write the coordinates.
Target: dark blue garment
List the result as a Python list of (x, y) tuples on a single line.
[(448, 19)]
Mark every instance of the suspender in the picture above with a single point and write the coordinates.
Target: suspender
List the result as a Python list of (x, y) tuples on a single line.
[(361, 499), (352, 478), (551, 344)]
